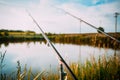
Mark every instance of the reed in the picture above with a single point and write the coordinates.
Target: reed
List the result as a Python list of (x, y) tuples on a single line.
[(103, 68), (2, 58)]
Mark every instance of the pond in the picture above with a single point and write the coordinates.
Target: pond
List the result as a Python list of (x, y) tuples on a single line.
[(39, 56)]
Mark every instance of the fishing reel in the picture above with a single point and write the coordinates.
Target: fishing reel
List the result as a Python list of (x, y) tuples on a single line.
[(63, 75)]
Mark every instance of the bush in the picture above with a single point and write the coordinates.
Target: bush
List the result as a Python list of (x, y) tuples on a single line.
[(101, 29)]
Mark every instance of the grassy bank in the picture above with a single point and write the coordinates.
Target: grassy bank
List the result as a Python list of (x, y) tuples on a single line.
[(104, 68), (93, 39)]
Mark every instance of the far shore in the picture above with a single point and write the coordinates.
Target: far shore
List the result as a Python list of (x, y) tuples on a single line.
[(93, 39)]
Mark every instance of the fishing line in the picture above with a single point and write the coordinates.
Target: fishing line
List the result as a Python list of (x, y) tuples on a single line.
[(80, 42), (88, 24), (61, 60)]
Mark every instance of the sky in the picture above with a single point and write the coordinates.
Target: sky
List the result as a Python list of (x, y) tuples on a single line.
[(50, 16)]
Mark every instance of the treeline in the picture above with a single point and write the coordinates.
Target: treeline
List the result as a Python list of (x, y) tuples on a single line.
[(7, 36), (5, 30)]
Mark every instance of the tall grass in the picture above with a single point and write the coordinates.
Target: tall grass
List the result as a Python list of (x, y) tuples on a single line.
[(104, 68), (93, 39), (2, 57)]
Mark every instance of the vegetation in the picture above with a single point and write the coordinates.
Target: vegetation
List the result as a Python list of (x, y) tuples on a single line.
[(19, 74), (93, 39), (104, 68), (100, 28), (101, 69), (2, 57)]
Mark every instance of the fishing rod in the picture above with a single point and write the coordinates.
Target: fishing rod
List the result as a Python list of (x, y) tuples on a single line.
[(89, 24), (62, 61)]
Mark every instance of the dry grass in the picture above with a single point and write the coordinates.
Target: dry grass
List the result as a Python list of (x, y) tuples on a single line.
[(102, 69)]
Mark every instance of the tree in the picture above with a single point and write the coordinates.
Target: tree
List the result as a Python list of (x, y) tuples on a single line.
[(6, 33), (101, 29), (1, 34)]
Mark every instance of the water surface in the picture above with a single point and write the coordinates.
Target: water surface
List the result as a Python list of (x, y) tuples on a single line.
[(40, 56)]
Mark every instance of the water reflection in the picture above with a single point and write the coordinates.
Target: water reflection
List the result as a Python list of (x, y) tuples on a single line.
[(39, 56)]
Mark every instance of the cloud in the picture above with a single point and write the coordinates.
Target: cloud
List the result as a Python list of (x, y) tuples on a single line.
[(53, 20), (103, 13), (95, 1)]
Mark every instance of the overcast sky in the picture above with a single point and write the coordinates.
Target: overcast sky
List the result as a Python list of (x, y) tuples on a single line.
[(13, 15)]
